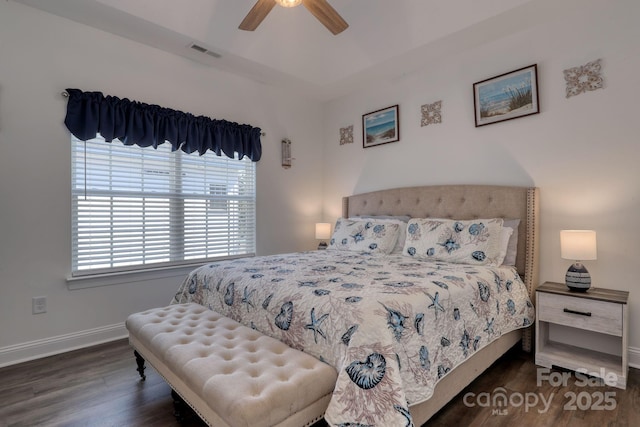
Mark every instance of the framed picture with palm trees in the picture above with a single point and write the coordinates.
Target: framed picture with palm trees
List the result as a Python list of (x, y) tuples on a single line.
[(507, 96)]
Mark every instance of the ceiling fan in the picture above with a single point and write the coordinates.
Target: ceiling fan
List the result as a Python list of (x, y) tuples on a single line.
[(322, 10)]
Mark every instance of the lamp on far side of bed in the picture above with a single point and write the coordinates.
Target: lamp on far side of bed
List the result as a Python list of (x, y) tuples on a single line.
[(578, 245), (323, 232)]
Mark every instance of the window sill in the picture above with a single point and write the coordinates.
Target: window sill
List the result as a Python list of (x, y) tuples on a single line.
[(122, 277), (108, 279)]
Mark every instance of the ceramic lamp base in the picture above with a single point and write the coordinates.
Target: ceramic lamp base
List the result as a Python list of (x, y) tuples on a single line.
[(322, 246), (578, 278)]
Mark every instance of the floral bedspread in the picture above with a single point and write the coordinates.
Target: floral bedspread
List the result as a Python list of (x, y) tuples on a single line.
[(392, 326)]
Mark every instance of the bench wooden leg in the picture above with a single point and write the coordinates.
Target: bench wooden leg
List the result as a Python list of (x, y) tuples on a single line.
[(140, 363), (179, 406)]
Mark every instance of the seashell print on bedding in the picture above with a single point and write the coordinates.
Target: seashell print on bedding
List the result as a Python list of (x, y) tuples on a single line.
[(369, 373), (391, 325), (283, 319)]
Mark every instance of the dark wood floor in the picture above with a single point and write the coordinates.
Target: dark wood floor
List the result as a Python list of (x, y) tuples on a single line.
[(99, 386)]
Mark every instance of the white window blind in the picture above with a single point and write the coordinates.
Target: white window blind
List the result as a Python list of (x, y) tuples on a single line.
[(136, 208)]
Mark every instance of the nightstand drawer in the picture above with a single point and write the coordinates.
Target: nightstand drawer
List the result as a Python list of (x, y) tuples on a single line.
[(592, 315)]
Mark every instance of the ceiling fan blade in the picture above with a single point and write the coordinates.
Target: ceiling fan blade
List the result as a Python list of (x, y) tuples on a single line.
[(256, 15), (327, 15)]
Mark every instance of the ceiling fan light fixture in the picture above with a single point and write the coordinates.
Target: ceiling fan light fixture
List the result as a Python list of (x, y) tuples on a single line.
[(321, 9), (288, 3)]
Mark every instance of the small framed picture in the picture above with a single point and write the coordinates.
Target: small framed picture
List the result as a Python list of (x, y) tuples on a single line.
[(380, 127), (507, 96)]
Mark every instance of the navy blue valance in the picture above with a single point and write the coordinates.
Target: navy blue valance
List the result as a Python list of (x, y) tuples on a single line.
[(136, 123)]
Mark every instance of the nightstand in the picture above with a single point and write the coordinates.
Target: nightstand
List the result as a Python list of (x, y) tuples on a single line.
[(583, 331)]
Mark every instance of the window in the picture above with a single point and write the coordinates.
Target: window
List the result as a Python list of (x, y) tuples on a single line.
[(136, 208), (219, 203)]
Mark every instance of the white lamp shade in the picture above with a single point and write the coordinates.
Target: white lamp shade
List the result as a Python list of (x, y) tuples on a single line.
[(578, 245), (323, 230)]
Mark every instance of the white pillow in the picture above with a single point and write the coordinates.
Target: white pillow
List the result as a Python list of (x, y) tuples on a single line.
[(364, 235), (476, 242), (512, 248), (401, 220), (502, 245)]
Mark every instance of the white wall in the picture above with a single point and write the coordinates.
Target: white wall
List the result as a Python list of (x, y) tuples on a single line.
[(40, 56), (582, 152)]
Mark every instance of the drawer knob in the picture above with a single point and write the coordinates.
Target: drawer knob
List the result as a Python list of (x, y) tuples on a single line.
[(581, 313)]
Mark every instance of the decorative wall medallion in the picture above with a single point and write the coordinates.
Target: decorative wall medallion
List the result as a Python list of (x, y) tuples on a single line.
[(346, 135), (431, 114), (584, 78)]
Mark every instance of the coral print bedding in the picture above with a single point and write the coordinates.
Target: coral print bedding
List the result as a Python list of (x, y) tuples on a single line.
[(391, 325)]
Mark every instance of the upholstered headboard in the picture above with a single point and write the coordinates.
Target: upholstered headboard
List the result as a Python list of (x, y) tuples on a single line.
[(464, 202)]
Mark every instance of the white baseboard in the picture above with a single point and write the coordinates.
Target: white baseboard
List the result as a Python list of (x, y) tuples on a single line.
[(634, 357), (31, 350)]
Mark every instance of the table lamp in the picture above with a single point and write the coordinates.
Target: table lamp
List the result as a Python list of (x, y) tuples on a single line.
[(323, 232), (578, 245)]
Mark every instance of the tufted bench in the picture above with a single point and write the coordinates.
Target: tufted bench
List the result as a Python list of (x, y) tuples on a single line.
[(231, 375)]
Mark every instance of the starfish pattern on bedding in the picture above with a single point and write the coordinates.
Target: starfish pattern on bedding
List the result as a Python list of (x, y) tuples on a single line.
[(315, 325), (363, 304), (246, 299), (435, 303), (489, 329)]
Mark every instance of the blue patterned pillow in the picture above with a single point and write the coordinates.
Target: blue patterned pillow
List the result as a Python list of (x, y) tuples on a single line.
[(401, 220), (476, 242), (364, 235)]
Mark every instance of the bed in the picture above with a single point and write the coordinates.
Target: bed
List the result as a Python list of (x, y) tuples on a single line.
[(404, 332)]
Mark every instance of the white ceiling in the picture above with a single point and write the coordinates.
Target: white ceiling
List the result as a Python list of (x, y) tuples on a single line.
[(291, 49)]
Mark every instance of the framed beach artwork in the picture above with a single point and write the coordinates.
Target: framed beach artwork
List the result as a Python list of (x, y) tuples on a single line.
[(507, 96), (380, 127)]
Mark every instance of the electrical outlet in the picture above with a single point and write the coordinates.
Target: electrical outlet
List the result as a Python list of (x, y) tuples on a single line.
[(39, 305)]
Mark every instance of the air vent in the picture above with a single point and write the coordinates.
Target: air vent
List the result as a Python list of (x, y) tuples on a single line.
[(204, 50), (198, 48)]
